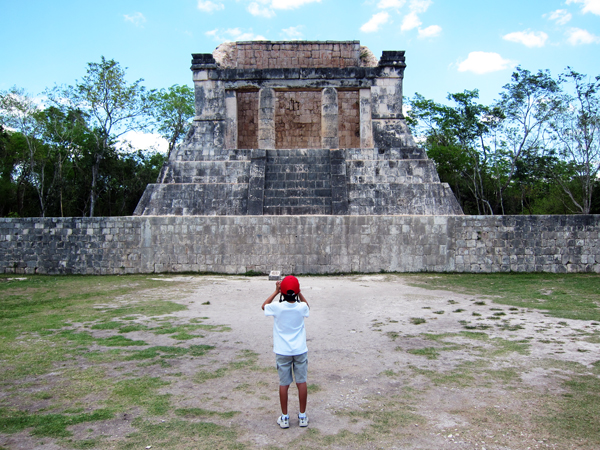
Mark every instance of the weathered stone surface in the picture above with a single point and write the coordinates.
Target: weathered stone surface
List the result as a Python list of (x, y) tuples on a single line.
[(269, 117), (300, 244)]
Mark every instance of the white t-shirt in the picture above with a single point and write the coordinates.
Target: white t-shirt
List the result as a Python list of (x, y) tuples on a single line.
[(289, 334)]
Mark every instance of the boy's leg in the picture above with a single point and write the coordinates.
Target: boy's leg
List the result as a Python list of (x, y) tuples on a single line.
[(284, 369), (283, 398), (302, 396), (301, 373)]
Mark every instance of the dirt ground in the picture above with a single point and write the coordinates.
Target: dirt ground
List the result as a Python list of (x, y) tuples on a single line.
[(368, 338), (359, 332)]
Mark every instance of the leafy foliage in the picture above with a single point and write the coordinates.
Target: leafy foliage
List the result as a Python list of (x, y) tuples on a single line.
[(535, 151)]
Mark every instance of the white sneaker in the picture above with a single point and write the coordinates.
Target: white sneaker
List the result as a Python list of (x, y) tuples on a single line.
[(284, 422), (303, 421)]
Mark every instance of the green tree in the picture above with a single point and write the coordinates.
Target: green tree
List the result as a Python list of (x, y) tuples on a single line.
[(20, 112), (172, 110), (528, 104), (113, 108), (65, 130), (576, 130), (456, 138)]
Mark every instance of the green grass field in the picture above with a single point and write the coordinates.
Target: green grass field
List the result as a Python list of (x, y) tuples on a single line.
[(74, 370)]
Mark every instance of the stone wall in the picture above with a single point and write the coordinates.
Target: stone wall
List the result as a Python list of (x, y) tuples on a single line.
[(300, 244), (283, 55), (247, 118), (349, 119), (298, 119)]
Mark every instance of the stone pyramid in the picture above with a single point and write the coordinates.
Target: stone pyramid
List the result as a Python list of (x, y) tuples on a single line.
[(298, 128)]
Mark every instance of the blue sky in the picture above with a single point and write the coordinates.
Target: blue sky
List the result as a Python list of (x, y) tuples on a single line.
[(451, 45)]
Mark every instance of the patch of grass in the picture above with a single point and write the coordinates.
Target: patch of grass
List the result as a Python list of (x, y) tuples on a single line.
[(50, 425), (461, 376), (199, 412), (34, 313), (170, 352), (393, 335), (178, 433), (87, 443), (568, 296), (85, 338), (111, 325), (182, 331), (510, 327), (184, 336), (417, 320), (202, 375), (313, 388), (387, 413), (141, 392), (576, 415), (428, 352), (507, 375), (133, 327), (505, 346), (246, 359)]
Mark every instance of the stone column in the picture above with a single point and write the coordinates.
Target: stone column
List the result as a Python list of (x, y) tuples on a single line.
[(266, 118), (329, 119), (389, 127), (256, 183), (209, 122), (231, 120), (366, 124)]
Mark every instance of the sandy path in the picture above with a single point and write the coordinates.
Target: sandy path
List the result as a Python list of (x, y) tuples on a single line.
[(351, 343)]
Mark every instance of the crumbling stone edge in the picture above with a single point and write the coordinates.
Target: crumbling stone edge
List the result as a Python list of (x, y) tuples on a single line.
[(317, 244)]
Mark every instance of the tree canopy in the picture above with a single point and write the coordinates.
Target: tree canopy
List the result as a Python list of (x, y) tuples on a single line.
[(533, 151), (62, 154)]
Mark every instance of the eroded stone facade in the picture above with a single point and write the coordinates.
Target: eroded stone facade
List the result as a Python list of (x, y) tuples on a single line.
[(298, 128), (300, 244)]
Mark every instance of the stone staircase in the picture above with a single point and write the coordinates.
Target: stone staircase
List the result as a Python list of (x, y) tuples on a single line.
[(297, 182)]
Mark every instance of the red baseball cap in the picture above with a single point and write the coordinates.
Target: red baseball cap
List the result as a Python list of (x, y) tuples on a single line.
[(290, 283)]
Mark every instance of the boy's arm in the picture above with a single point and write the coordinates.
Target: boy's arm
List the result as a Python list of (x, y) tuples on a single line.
[(302, 299), (273, 295)]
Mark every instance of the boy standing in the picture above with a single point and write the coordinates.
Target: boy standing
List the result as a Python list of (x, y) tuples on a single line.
[(289, 344)]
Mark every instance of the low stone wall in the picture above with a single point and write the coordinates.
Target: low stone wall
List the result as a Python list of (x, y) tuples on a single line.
[(300, 244)]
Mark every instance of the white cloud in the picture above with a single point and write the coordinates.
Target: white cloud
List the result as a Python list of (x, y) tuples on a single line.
[(577, 36), (411, 20), (484, 62), (384, 4), (429, 32), (528, 38), (419, 6), (293, 32), (234, 34), (208, 6), (256, 10), (560, 16), (137, 19), (290, 4), (375, 22), (592, 6)]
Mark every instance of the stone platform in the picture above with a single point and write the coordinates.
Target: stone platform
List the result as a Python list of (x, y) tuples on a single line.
[(298, 128), (325, 244)]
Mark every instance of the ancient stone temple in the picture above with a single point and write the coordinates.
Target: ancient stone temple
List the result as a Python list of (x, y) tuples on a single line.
[(298, 128)]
